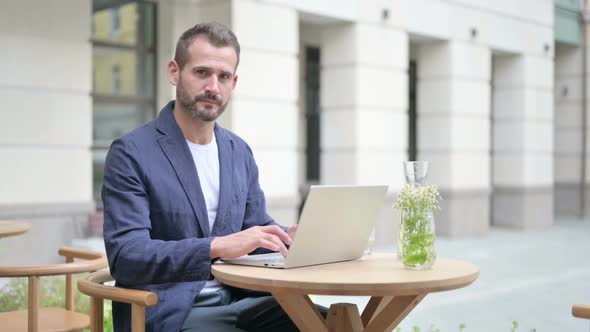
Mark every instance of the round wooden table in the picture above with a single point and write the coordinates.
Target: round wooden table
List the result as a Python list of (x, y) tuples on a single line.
[(12, 228), (394, 290)]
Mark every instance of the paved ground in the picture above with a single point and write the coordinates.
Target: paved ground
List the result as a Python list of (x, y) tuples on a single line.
[(531, 277)]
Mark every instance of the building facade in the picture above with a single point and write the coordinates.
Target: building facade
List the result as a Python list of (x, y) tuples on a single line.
[(492, 93)]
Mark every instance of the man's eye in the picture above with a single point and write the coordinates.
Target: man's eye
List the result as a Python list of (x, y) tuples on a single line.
[(225, 76), (201, 72)]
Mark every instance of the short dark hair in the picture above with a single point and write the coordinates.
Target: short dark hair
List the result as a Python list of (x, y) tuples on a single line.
[(218, 35)]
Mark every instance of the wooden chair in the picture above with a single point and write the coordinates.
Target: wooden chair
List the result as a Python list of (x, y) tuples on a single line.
[(37, 319), (581, 311), (93, 286)]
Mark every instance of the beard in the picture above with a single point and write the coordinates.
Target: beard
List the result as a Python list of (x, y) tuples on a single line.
[(207, 112)]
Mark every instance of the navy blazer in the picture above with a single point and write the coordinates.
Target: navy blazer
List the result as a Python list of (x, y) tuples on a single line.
[(156, 230)]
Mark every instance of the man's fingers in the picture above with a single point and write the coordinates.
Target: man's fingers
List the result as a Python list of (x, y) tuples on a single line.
[(279, 243), (273, 245), (276, 230), (268, 244), (292, 231), (280, 246)]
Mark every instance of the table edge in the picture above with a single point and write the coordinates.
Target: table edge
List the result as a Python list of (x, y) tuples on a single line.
[(348, 288)]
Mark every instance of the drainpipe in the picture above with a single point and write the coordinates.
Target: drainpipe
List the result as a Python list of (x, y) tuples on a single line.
[(584, 19)]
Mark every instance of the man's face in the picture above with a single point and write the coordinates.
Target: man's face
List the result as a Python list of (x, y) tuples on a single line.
[(206, 82)]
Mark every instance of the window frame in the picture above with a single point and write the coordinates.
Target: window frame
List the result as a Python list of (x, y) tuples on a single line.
[(143, 52)]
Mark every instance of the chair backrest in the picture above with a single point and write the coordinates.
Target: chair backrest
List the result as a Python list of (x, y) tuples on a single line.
[(581, 311), (93, 261), (93, 286)]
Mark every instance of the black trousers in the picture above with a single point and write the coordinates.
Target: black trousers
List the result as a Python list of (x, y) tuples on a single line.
[(233, 310)]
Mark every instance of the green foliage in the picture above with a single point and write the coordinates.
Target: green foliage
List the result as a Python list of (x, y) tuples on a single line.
[(417, 238), (108, 316), (13, 296), (433, 329)]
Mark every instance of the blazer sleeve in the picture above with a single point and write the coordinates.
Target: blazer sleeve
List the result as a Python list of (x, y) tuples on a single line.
[(135, 258)]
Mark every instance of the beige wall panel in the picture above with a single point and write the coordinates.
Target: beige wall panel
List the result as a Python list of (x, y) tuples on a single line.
[(338, 166), (346, 127), (45, 175), (568, 89), (423, 17), (277, 171), (516, 136), (339, 128), (339, 87), (568, 61), (460, 133), (188, 13), (263, 27), (568, 168), (63, 65), (269, 76), (568, 115), (379, 88), (45, 118), (265, 124), (518, 170), (530, 10), (457, 170), (456, 96), (383, 129), (382, 47), (529, 71), (347, 44), (520, 104), (378, 167), (461, 60), (52, 20)]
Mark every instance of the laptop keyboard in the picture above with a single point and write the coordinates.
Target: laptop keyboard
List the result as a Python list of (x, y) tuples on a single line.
[(271, 258)]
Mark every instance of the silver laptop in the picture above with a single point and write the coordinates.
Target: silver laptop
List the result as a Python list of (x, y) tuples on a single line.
[(335, 225)]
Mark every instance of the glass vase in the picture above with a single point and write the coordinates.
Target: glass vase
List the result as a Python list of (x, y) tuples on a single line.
[(416, 239), (415, 173)]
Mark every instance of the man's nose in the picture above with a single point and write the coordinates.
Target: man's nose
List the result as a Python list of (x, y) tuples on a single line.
[(212, 86)]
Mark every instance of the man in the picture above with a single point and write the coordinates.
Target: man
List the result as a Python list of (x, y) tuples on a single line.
[(180, 192)]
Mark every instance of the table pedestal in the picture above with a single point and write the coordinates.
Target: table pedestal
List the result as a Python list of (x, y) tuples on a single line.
[(380, 314)]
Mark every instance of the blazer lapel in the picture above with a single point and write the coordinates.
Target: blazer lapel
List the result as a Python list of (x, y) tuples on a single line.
[(174, 146), (225, 146)]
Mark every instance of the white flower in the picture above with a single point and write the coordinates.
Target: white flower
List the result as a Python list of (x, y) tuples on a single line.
[(414, 196)]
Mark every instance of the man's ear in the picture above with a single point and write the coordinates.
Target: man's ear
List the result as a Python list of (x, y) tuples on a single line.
[(235, 81), (173, 72)]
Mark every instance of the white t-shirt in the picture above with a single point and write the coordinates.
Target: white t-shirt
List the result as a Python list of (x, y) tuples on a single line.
[(206, 160)]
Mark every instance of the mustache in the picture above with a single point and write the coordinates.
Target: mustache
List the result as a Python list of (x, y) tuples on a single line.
[(206, 96)]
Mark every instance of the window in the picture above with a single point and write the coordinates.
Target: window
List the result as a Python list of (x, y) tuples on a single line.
[(312, 114), (115, 20), (412, 124), (124, 73), (116, 75)]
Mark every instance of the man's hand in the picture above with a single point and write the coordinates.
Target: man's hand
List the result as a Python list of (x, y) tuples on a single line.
[(291, 231), (241, 243)]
